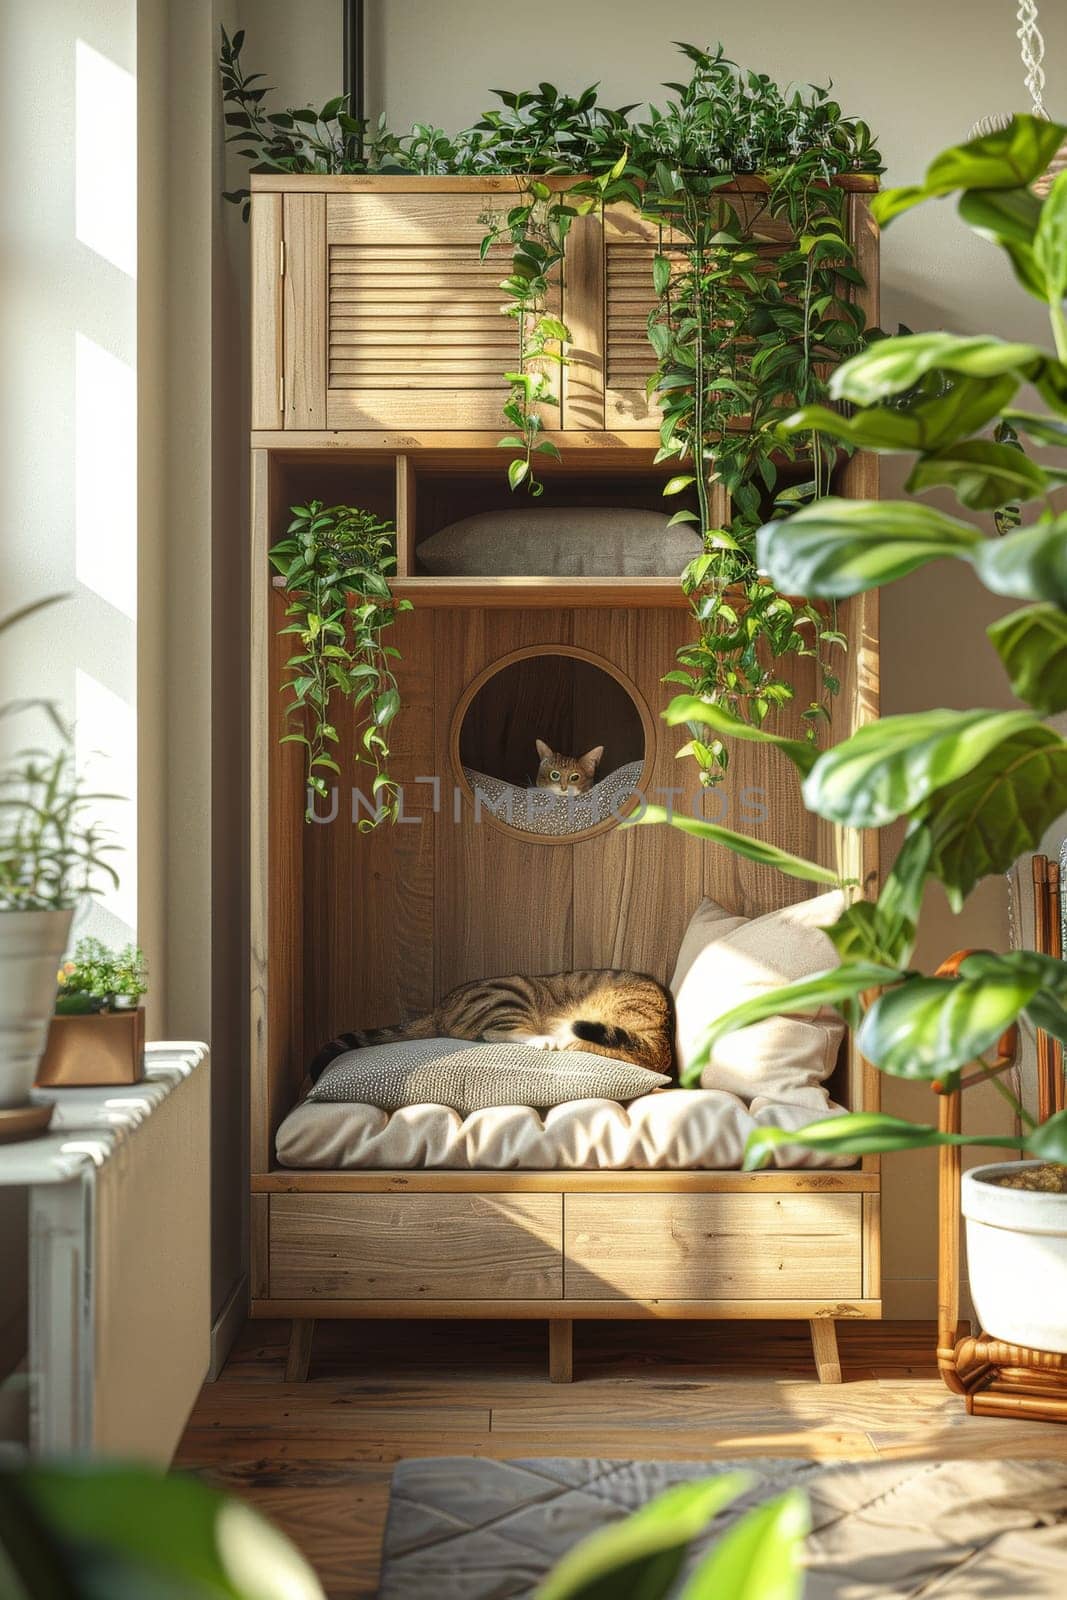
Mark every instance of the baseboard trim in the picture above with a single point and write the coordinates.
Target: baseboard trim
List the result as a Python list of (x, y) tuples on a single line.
[(226, 1326)]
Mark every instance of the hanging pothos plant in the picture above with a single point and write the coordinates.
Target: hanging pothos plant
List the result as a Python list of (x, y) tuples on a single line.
[(335, 562), (755, 307)]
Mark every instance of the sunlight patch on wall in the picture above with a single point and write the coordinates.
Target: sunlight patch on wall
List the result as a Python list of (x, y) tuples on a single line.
[(105, 158), (105, 475), (105, 746)]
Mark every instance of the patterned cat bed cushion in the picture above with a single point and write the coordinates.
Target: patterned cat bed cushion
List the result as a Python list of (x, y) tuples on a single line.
[(671, 1130), (555, 815), (470, 1077)]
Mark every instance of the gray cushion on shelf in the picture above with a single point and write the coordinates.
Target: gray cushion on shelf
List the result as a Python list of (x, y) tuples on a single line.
[(554, 815), (473, 1077), (563, 542)]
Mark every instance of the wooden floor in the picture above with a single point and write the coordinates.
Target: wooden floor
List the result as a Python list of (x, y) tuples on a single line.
[(316, 1458)]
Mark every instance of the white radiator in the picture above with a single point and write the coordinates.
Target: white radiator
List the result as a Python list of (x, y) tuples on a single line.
[(120, 1313)]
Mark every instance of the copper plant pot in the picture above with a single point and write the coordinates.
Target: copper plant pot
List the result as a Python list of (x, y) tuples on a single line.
[(100, 1049)]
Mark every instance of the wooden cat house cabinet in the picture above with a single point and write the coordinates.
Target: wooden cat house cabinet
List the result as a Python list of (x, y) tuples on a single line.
[(378, 349)]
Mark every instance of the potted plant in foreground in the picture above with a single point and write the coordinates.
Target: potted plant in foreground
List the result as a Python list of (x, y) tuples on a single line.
[(50, 854), (97, 1034), (975, 789)]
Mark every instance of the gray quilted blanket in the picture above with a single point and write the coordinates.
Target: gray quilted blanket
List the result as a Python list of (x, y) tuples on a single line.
[(463, 1529)]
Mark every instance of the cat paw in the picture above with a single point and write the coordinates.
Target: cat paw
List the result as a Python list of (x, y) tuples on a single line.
[(540, 1041)]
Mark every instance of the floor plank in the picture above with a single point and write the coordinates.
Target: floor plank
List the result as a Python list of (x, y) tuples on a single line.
[(316, 1458)]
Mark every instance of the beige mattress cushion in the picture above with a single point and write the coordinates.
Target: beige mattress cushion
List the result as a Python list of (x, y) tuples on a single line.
[(673, 1130)]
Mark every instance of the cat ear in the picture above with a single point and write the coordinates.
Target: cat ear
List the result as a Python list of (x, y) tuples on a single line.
[(543, 750), (590, 761)]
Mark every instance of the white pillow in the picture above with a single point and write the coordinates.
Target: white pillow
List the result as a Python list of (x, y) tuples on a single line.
[(561, 542), (725, 960), (470, 1077)]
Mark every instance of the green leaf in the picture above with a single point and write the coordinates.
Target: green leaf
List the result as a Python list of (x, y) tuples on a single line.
[(1009, 218), (740, 843), (661, 273), (984, 822), (642, 1555), (173, 1529), (1050, 240), (861, 1133), (1043, 430), (1010, 158), (1028, 565), (842, 547), (891, 366), (1049, 1141), (685, 708), (1032, 644), (890, 767), (832, 988), (676, 485), (966, 406), (929, 1027), (983, 474), (760, 1557), (517, 472)]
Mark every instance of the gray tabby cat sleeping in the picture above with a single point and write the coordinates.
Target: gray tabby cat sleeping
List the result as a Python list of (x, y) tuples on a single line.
[(624, 1015)]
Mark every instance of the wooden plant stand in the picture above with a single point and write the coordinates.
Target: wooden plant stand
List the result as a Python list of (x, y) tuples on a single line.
[(996, 1379)]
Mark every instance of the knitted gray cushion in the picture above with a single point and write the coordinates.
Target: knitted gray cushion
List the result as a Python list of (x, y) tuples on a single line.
[(541, 811), (561, 542), (472, 1077)]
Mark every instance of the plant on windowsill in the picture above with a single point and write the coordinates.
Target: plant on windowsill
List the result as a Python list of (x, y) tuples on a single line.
[(335, 562), (97, 1034), (975, 789), (52, 854)]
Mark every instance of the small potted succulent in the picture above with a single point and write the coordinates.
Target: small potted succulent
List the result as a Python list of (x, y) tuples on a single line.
[(97, 1033)]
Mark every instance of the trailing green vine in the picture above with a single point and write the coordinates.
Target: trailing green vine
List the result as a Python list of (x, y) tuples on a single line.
[(335, 562), (755, 308)]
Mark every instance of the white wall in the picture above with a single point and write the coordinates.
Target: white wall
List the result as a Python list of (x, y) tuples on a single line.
[(68, 352), (68, 440)]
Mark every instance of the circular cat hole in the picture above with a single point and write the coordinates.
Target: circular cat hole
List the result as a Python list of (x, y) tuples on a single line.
[(552, 743)]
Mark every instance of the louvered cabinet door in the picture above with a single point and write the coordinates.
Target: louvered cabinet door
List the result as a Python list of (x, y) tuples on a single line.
[(607, 298), (414, 333)]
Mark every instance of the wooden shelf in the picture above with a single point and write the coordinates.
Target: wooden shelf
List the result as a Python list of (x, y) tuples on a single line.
[(542, 592), (527, 592)]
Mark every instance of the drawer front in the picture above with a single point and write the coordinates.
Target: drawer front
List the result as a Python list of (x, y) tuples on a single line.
[(416, 1247), (713, 1246)]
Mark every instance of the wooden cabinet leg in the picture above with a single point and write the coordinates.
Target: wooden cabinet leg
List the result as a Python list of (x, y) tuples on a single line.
[(298, 1359), (560, 1351), (824, 1346)]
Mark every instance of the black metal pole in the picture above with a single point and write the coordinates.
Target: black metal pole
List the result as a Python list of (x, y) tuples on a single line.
[(355, 86)]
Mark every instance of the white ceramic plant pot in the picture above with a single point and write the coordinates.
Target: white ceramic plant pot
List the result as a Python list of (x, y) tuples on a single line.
[(1017, 1259), (31, 947)]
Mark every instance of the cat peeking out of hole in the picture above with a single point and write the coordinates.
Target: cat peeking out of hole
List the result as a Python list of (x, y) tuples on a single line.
[(564, 774)]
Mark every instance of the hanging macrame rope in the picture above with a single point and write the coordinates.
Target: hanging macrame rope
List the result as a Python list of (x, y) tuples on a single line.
[(1032, 46)]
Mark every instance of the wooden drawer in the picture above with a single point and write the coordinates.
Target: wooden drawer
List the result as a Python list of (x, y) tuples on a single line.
[(416, 1246), (713, 1246)]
